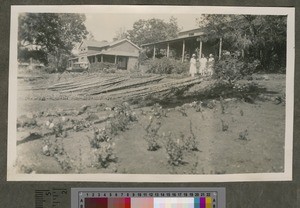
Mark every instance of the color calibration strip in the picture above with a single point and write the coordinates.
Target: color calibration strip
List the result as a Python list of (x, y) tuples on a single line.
[(127, 202), (209, 197)]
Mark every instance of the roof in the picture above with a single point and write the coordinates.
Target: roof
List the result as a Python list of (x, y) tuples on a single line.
[(123, 40), (173, 40), (94, 43), (101, 44), (195, 30), (108, 51)]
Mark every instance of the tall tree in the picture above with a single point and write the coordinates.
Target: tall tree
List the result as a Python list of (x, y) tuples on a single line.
[(261, 37), (121, 33), (90, 36), (152, 30), (53, 34)]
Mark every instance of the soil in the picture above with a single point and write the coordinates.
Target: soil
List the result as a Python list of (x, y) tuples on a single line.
[(252, 143)]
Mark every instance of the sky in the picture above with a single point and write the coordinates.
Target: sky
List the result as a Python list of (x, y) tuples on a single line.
[(105, 26)]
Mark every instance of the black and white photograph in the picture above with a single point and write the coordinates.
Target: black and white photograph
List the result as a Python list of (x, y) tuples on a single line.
[(151, 93)]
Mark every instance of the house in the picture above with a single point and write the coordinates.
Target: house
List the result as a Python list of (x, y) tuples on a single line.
[(187, 43), (123, 53)]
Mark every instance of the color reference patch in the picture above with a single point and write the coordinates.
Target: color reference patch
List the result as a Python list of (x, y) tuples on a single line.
[(160, 202)]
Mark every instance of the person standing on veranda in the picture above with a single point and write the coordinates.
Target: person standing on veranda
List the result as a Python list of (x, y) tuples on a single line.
[(193, 67), (210, 65), (203, 65)]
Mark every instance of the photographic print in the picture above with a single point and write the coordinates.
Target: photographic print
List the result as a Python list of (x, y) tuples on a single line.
[(150, 93)]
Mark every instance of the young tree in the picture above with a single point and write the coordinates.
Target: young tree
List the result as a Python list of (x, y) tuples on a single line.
[(53, 34), (152, 30)]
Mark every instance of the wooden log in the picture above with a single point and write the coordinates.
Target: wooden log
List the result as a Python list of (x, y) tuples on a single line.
[(156, 85), (153, 88), (129, 85), (98, 84), (156, 90)]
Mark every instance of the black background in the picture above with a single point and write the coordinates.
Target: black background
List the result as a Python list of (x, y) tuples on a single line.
[(239, 195)]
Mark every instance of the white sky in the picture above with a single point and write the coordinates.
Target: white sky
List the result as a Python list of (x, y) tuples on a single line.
[(105, 26)]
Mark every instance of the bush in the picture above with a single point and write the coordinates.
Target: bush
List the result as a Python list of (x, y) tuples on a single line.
[(102, 148), (100, 135), (166, 66), (103, 67), (122, 117), (174, 150), (50, 69), (104, 155), (152, 136), (231, 68)]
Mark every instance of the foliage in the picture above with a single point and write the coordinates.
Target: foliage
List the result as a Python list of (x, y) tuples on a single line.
[(231, 68), (174, 150), (190, 140), (80, 124), (120, 34), (182, 110), (55, 148), (261, 37), (104, 154), (24, 54), (158, 111), (224, 125), (100, 135), (123, 115), (102, 148), (243, 135), (152, 136), (58, 130), (153, 30), (103, 66), (49, 36), (166, 66)]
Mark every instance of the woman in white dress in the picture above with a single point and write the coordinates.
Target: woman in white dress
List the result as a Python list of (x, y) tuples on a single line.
[(210, 65), (203, 63), (193, 67)]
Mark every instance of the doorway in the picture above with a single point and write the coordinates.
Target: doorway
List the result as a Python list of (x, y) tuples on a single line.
[(122, 62)]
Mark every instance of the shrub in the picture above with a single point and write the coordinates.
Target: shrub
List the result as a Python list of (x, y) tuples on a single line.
[(123, 115), (158, 111), (231, 68), (152, 136), (243, 135), (104, 154), (55, 148), (100, 135), (50, 69), (190, 141), (166, 66), (103, 66), (174, 150), (102, 148)]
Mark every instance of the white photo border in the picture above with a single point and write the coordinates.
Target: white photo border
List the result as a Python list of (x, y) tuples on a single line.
[(129, 9)]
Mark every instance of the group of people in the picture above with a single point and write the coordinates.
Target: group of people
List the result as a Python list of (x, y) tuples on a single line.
[(206, 65)]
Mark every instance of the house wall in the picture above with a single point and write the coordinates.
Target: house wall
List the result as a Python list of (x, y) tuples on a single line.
[(132, 62), (125, 46)]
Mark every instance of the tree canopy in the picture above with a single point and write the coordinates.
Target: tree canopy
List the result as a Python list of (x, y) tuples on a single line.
[(46, 36), (152, 30), (261, 37)]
